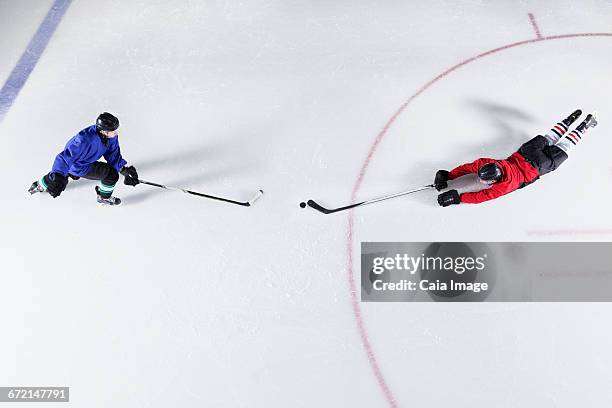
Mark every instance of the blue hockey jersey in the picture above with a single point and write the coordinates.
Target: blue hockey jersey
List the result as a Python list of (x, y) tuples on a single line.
[(84, 149)]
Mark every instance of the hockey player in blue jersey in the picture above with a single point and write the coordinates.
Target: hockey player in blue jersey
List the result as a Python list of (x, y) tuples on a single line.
[(80, 159)]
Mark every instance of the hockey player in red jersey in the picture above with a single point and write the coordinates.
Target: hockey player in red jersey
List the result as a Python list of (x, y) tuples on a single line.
[(538, 156)]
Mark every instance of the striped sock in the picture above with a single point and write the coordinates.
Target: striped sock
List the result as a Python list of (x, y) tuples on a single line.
[(42, 183), (570, 140), (105, 190), (556, 133)]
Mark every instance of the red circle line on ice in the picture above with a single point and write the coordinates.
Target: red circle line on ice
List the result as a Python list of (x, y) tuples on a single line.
[(350, 232)]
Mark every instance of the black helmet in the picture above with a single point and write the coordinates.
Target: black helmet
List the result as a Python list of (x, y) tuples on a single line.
[(107, 122), (489, 172)]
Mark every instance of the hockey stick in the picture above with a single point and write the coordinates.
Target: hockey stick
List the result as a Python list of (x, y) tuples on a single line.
[(318, 207), (212, 197)]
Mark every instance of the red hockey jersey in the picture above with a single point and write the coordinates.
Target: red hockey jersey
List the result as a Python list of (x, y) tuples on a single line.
[(516, 173)]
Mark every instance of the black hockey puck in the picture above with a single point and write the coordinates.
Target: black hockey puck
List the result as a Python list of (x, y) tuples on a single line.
[(303, 204)]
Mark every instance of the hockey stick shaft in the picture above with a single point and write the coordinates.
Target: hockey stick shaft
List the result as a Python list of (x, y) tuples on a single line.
[(375, 200), (318, 207), (212, 197)]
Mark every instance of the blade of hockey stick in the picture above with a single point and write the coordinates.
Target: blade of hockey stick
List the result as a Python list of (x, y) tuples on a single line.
[(257, 196), (212, 197), (320, 208), (313, 204)]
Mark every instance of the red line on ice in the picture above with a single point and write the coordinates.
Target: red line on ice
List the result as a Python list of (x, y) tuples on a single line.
[(535, 25), (363, 334)]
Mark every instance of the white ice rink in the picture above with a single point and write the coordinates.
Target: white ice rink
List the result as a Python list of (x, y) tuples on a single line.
[(175, 301)]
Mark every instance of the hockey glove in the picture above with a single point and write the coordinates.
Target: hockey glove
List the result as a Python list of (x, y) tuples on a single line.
[(449, 197), (440, 183), (130, 174), (56, 183)]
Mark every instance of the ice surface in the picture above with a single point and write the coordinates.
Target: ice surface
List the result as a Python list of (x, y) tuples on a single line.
[(172, 300)]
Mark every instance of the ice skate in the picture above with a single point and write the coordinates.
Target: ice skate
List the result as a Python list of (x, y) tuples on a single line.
[(572, 118), (589, 122), (110, 200), (36, 188)]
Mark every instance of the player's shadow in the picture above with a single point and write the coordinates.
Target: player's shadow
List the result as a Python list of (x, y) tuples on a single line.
[(186, 156), (508, 124)]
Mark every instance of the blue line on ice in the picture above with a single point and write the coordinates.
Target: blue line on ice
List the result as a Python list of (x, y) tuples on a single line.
[(28, 60)]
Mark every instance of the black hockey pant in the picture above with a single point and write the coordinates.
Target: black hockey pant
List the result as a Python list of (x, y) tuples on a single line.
[(106, 174), (541, 155)]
